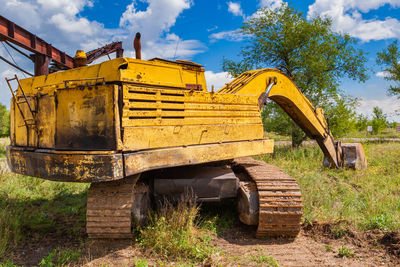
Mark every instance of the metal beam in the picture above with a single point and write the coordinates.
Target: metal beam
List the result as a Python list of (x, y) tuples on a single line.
[(19, 36), (15, 66), (105, 50)]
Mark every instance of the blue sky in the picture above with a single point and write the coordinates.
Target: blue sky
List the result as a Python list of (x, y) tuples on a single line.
[(201, 31)]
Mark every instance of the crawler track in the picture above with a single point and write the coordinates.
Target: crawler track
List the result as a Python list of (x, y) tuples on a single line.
[(109, 207), (280, 203), (109, 204)]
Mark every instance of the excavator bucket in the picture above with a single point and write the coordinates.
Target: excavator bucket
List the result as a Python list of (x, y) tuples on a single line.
[(351, 155), (354, 156)]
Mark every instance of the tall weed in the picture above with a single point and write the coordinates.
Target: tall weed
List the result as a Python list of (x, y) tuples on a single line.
[(173, 233)]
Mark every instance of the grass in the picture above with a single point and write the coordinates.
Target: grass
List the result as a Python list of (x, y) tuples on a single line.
[(211, 217), (59, 258), (141, 263), (345, 252), (3, 143), (328, 248), (173, 234), (387, 133), (31, 208), (367, 199), (7, 263), (264, 260), (276, 137)]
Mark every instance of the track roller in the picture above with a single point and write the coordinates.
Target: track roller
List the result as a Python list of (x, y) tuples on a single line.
[(279, 201)]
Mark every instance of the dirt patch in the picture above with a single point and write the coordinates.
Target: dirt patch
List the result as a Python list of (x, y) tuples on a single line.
[(316, 245), (391, 240), (32, 252), (371, 244)]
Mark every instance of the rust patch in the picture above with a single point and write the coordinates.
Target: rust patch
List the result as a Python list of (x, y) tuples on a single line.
[(66, 167), (195, 87), (85, 118)]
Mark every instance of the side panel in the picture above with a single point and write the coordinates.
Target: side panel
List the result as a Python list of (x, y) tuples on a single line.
[(154, 74), (25, 135), (141, 161), (137, 138), (67, 167), (46, 118), (157, 118), (85, 118)]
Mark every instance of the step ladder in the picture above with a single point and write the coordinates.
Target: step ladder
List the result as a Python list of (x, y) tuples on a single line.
[(30, 121)]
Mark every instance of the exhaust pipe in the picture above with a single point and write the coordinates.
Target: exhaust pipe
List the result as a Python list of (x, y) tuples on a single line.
[(137, 46)]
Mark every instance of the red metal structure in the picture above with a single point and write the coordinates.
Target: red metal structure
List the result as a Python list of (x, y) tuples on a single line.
[(44, 53), (105, 50)]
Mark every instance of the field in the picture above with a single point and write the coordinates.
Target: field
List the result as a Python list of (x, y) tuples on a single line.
[(388, 133), (350, 217)]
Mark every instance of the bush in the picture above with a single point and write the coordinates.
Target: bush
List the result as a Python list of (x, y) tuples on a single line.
[(4, 121), (361, 122), (379, 122)]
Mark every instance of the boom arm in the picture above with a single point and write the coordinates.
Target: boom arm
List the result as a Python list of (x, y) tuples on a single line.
[(273, 84)]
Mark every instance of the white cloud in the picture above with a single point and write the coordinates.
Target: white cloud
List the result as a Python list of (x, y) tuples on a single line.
[(6, 71), (233, 36), (218, 79), (212, 28), (59, 22), (154, 23), (235, 9), (346, 17), (75, 26), (272, 4), (382, 74), (158, 17), (389, 105)]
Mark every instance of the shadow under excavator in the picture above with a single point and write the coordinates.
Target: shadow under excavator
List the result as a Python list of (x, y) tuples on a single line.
[(228, 227)]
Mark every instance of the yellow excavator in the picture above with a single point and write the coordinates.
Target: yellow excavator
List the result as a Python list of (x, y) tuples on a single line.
[(139, 130)]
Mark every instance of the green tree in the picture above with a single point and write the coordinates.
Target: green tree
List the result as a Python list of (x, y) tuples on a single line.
[(390, 59), (341, 115), (275, 119), (379, 120), (4, 121), (308, 51), (362, 122)]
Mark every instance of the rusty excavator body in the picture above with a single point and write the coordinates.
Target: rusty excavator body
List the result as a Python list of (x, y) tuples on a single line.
[(138, 130)]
